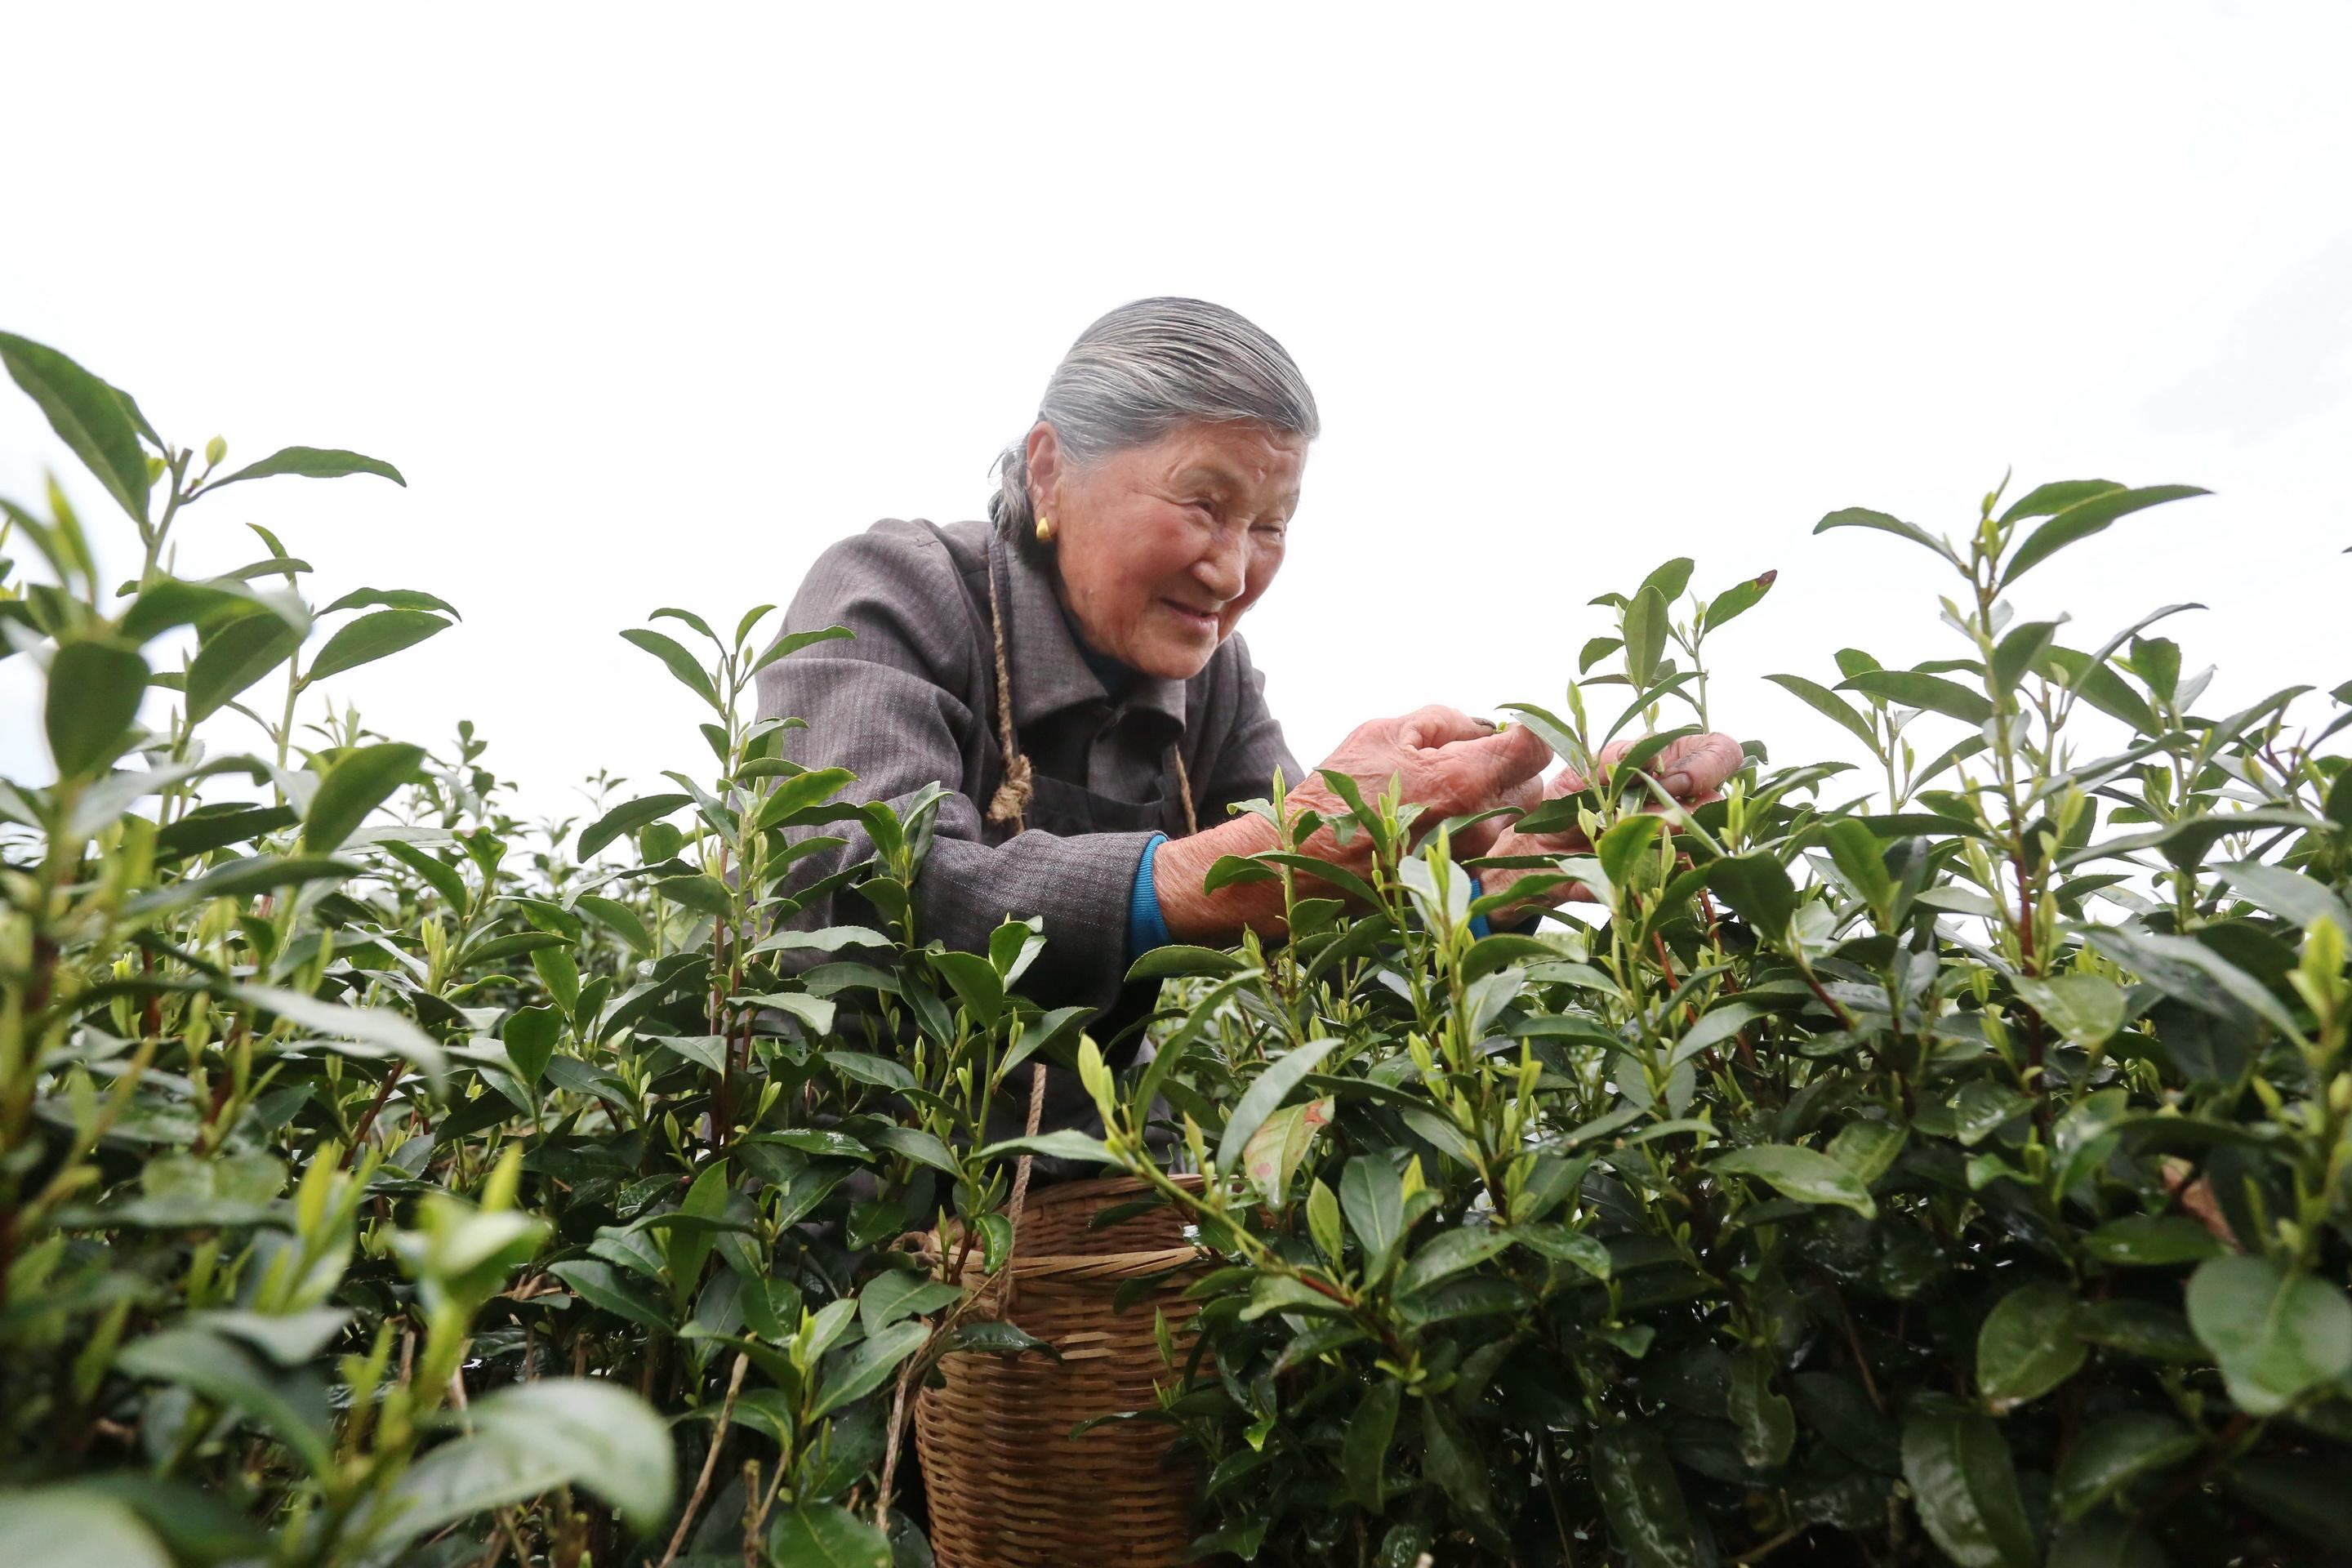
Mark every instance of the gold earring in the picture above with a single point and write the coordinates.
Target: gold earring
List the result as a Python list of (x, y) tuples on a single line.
[(1045, 530)]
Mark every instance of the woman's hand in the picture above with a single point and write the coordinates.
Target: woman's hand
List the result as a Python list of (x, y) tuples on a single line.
[(1442, 759), (1691, 770)]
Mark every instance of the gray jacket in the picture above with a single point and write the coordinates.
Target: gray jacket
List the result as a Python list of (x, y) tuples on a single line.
[(912, 700)]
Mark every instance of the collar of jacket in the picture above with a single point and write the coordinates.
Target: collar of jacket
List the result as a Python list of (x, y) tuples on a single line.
[(1049, 669)]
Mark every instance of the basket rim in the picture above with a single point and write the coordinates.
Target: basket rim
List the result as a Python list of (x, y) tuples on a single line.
[(1102, 1188), (1079, 1265), (1095, 1265)]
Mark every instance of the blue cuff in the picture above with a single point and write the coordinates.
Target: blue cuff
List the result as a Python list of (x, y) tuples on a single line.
[(1477, 922), (1145, 928)]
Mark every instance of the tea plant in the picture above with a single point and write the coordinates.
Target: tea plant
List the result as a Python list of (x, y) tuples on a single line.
[(1957, 1174), (381, 1181), (1949, 1167)]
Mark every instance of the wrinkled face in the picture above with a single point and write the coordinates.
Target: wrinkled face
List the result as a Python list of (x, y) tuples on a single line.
[(1163, 547)]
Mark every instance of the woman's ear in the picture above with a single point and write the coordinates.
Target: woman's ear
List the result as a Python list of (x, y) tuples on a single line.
[(1044, 469)]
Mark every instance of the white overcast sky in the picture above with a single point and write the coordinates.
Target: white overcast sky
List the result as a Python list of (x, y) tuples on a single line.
[(652, 303)]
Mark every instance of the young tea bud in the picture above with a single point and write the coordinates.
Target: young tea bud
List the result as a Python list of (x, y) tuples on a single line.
[(2320, 974), (1095, 1073), (1422, 1058), (215, 451), (505, 1176)]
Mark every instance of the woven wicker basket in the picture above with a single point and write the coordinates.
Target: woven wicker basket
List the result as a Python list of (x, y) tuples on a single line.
[(1008, 1485)]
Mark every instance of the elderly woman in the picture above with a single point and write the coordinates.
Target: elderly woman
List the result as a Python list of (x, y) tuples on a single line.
[(1070, 669)]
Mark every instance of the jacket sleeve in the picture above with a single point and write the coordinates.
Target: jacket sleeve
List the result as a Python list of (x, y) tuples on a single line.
[(887, 706), (1250, 750)]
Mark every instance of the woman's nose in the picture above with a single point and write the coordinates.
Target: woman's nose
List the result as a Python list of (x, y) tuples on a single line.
[(1224, 570)]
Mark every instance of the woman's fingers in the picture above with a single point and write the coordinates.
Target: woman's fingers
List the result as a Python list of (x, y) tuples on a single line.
[(1696, 765), (1460, 764), (1438, 725), (1496, 769), (1475, 765), (1692, 769)]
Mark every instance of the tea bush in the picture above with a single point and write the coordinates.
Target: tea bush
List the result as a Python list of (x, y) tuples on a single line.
[(1957, 1173), (385, 1180), (1949, 1167)]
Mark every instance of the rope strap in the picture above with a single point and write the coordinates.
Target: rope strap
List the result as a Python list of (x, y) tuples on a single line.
[(1184, 789), (1012, 796), (1020, 1186)]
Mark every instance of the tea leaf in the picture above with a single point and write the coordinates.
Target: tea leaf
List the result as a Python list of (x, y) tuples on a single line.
[(72, 1527), (1913, 689), (1863, 517), (1766, 1422), (311, 463), (678, 661), (793, 796), (1272, 1086), (1965, 1487), (2114, 1453), (1735, 600), (1374, 1200), (1804, 1174), (1647, 1512), (1454, 1463), (2042, 501), (382, 1030), (235, 655), (376, 635), (1645, 635), (2145, 1241), (361, 780), (2303, 899), (823, 1535), (1062, 1145), (1162, 963), (1828, 704), (395, 599), (1671, 578), (1364, 1451), (627, 818), (2083, 518), (95, 690), (2275, 1333), (529, 1037), (869, 1364), (536, 1436), (1758, 889), (792, 642), (94, 420), (2029, 1345), (2088, 1009), (292, 1408), (1448, 1254)]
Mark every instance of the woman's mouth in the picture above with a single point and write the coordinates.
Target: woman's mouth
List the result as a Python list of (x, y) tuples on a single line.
[(1198, 620)]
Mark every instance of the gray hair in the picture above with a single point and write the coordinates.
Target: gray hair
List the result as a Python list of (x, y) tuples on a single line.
[(1138, 373)]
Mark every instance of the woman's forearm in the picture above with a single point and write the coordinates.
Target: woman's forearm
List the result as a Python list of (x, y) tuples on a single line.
[(1216, 918)]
